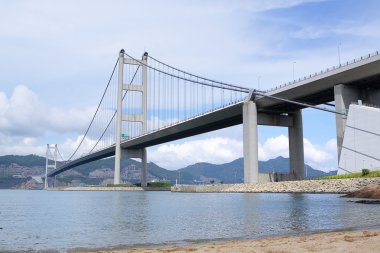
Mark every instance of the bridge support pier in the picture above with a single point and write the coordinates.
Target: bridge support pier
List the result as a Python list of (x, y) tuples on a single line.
[(141, 154), (296, 152), (250, 143), (144, 169)]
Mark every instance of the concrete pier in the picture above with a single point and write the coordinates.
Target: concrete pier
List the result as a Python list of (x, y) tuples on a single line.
[(144, 168), (250, 143), (296, 152)]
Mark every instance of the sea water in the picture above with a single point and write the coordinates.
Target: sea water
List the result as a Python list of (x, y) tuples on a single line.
[(64, 220)]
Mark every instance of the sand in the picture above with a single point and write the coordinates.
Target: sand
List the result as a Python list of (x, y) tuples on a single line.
[(346, 241)]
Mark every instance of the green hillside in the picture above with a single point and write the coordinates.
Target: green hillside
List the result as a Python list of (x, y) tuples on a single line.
[(197, 173), (28, 160)]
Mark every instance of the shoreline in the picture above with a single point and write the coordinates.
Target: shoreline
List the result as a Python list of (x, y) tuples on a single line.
[(105, 188), (334, 186), (349, 240), (331, 186)]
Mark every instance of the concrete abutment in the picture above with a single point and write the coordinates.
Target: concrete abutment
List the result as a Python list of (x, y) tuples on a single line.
[(344, 95)]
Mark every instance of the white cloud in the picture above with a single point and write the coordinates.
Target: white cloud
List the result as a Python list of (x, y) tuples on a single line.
[(70, 145), (274, 147), (23, 114), (216, 150), (19, 145), (319, 157)]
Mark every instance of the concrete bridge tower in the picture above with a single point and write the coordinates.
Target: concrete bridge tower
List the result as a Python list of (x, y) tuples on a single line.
[(120, 117), (51, 160)]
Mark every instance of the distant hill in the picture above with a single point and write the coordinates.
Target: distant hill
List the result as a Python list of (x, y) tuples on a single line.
[(233, 172), (27, 160), (98, 172)]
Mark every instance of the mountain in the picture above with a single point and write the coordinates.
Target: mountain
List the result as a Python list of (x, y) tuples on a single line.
[(28, 160), (233, 172), (24, 172)]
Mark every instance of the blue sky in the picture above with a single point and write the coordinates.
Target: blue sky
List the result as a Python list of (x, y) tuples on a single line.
[(56, 57)]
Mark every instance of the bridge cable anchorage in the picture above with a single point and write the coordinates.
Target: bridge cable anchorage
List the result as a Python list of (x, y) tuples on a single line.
[(109, 123), (220, 86), (97, 109), (259, 93)]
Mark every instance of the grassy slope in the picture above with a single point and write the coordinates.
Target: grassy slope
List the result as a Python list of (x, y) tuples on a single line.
[(375, 173)]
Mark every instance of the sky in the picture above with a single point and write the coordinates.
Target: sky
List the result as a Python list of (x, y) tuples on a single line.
[(56, 58)]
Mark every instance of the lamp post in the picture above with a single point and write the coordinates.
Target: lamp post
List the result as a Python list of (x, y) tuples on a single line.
[(293, 69), (339, 44), (258, 83)]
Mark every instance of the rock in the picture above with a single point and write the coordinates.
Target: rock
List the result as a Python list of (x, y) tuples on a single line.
[(367, 201), (371, 191)]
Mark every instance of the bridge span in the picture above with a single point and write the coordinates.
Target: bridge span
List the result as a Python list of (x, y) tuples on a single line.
[(282, 106)]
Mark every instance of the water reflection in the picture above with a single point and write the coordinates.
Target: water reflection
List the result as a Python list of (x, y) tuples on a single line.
[(251, 213), (298, 213)]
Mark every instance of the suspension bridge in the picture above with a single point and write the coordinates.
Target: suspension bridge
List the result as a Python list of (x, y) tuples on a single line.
[(147, 102)]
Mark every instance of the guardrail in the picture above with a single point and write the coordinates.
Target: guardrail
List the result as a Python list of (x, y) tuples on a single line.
[(367, 56)]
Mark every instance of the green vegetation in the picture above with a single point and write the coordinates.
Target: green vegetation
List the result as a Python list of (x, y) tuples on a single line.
[(119, 185), (364, 173), (29, 160), (157, 184), (84, 180), (152, 184)]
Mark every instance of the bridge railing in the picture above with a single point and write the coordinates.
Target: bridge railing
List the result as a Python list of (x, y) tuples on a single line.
[(327, 70)]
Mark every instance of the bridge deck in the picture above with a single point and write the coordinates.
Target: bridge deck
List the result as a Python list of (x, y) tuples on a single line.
[(319, 89)]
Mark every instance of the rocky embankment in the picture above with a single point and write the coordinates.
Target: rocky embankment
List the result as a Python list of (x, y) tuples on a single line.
[(305, 186)]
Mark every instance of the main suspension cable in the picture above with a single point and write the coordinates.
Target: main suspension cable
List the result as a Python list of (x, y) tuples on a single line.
[(196, 76), (97, 109), (109, 123), (232, 87)]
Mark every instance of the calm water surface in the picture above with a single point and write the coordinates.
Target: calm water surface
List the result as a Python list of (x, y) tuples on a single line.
[(46, 220)]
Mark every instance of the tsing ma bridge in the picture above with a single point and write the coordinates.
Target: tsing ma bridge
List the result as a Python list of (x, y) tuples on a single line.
[(148, 102)]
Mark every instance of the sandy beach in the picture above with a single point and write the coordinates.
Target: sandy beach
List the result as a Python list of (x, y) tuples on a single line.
[(344, 241)]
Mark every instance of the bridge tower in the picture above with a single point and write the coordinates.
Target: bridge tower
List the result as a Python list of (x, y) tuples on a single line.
[(120, 117), (51, 160)]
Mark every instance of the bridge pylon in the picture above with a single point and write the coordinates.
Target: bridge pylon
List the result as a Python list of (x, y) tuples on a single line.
[(51, 160), (120, 117)]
